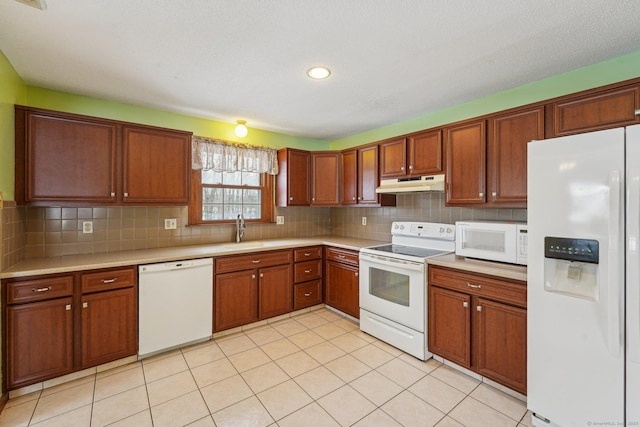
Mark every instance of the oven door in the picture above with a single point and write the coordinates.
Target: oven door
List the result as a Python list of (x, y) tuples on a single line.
[(394, 289)]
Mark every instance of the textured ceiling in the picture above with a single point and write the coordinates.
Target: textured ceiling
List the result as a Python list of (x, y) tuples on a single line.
[(246, 59)]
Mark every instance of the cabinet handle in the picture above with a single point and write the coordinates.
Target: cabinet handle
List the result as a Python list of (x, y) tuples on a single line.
[(401, 168), (85, 304), (353, 198), (126, 194), (256, 261), (474, 286), (48, 288), (341, 256), (359, 198), (357, 274), (494, 194), (479, 308), (480, 194), (253, 276), (308, 294), (307, 271), (313, 199), (637, 112), (67, 307), (307, 254), (261, 275), (105, 281), (290, 198), (113, 194), (465, 304)]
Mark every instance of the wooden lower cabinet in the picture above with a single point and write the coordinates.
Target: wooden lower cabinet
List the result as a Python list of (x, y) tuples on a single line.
[(236, 299), (275, 291), (480, 322), (342, 287)]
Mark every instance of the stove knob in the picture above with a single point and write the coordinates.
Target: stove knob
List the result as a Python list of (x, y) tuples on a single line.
[(402, 227), (396, 226), (441, 230), (449, 230)]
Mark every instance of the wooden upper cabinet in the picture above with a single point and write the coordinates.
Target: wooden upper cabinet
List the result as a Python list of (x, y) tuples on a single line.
[(293, 177), (509, 135), (425, 153), (349, 177), (595, 111), (465, 153), (368, 175), (156, 166), (325, 178), (393, 158)]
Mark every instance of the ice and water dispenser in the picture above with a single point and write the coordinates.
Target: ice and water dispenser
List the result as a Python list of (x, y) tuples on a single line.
[(571, 266)]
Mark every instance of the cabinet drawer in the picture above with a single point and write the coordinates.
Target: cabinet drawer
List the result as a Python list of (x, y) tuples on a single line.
[(39, 289), (256, 260), (342, 255), (109, 279), (309, 270), (511, 292), (307, 294), (305, 254)]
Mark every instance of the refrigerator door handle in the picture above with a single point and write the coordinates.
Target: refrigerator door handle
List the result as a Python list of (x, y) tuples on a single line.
[(633, 269), (615, 221)]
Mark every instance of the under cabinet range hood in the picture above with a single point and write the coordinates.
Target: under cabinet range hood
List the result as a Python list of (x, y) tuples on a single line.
[(412, 184)]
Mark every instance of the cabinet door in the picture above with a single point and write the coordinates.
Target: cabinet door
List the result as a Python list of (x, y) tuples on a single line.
[(235, 299), (393, 158), (507, 154), (156, 166), (325, 179), (293, 178), (502, 343), (465, 151), (275, 291), (450, 325), (109, 326), (368, 175), (342, 288), (70, 160), (425, 153), (39, 341), (349, 177), (597, 111)]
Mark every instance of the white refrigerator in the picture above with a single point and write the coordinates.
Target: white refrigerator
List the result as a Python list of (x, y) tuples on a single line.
[(583, 324)]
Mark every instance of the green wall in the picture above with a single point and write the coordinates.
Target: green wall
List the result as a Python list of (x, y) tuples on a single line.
[(12, 91), (600, 74)]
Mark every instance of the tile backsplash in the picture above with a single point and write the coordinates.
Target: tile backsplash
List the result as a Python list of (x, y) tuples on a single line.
[(37, 232)]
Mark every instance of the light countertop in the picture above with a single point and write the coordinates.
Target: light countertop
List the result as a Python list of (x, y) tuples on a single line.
[(508, 271), (65, 264)]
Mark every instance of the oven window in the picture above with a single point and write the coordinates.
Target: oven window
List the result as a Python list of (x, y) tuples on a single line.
[(390, 286)]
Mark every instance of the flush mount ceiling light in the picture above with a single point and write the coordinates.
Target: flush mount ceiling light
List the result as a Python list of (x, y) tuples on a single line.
[(318, 73), (38, 4), (241, 128)]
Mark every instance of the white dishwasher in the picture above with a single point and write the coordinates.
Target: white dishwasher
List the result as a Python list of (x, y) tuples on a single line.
[(175, 305)]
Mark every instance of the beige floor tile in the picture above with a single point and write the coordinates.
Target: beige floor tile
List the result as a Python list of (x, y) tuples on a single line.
[(34, 396), (310, 416), (324, 352), (204, 422), (329, 331), (328, 315), (170, 387), (427, 366), (284, 399), (80, 417), (141, 419), (160, 368), (289, 327), (119, 406), (235, 344), (372, 356), (394, 351), (306, 339), (280, 348), (69, 380), (377, 418), (448, 422), (213, 372), (347, 368), (249, 359), (18, 414), (264, 377), (363, 335), (526, 420), (347, 325), (180, 411), (319, 382), (68, 385), (346, 405), (118, 369), (203, 354), (264, 335), (117, 383), (376, 387), (226, 393), (63, 401), (437, 394), (311, 320), (455, 378), (297, 363), (400, 372), (502, 402), (473, 412), (408, 410), (248, 413), (349, 342)]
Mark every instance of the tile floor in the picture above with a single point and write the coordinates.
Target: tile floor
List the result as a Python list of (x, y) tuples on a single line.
[(316, 369)]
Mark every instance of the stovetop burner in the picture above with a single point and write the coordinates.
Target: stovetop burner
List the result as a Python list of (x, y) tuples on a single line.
[(409, 250)]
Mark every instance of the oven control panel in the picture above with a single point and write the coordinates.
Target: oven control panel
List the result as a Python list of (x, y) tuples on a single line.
[(424, 229)]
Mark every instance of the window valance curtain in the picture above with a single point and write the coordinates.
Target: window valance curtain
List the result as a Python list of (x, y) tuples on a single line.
[(224, 156)]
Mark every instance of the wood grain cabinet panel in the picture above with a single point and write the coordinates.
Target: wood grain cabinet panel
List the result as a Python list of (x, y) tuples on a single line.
[(465, 151), (236, 299), (393, 158), (325, 178), (450, 325), (415, 155), (292, 182), (349, 177), (275, 291), (342, 281)]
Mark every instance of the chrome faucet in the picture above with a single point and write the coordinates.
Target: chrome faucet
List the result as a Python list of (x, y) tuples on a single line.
[(240, 227)]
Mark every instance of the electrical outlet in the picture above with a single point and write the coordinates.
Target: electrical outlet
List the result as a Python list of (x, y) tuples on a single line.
[(87, 227), (364, 220), (170, 224), (279, 220)]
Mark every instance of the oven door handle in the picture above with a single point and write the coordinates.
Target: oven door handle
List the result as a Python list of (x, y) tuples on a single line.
[(376, 260)]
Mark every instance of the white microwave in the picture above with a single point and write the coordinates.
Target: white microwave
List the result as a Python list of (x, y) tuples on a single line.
[(492, 240)]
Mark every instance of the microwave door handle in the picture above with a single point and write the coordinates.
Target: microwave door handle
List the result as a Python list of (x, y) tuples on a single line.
[(614, 304)]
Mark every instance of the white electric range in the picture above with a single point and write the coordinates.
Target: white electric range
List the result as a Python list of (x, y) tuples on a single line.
[(393, 284)]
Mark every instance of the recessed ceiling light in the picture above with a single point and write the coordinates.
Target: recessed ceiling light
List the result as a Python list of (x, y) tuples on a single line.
[(318, 73)]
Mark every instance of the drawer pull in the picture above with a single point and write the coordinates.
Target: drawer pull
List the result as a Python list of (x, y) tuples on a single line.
[(105, 281), (67, 307), (341, 256), (308, 294), (261, 274), (48, 288), (253, 276), (307, 254), (256, 261), (474, 286), (357, 274), (479, 308), (465, 304), (85, 304), (307, 271)]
